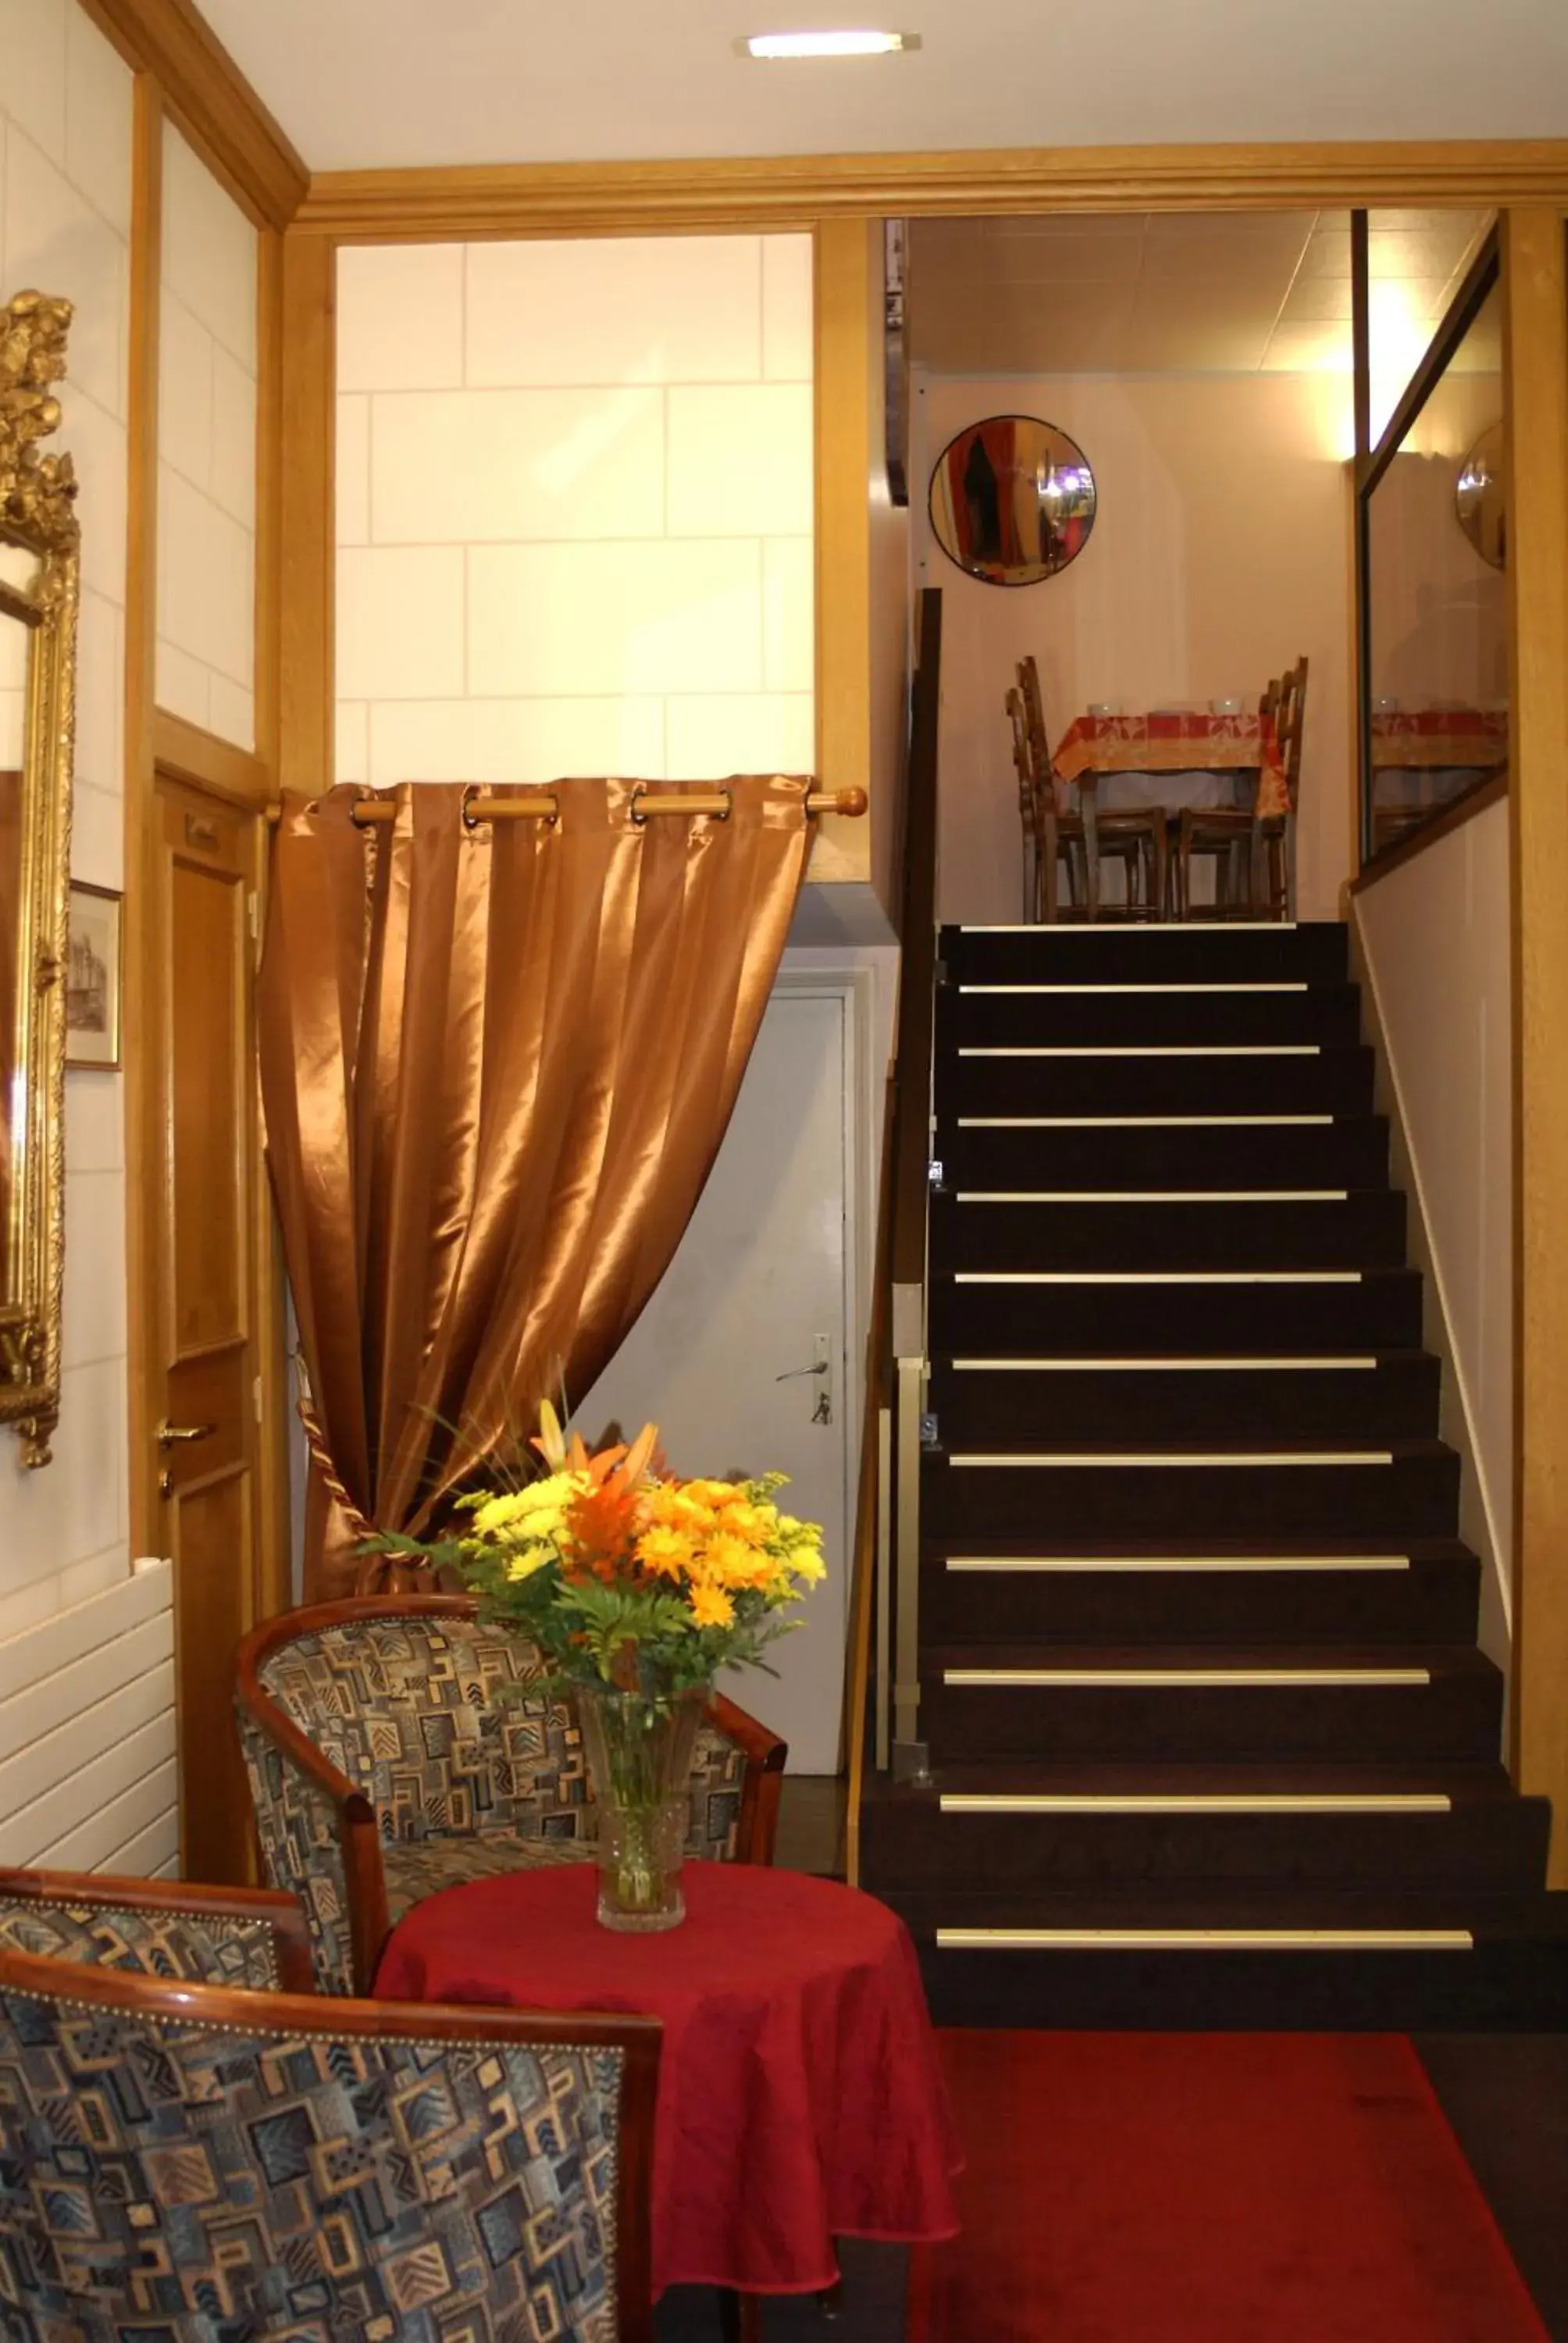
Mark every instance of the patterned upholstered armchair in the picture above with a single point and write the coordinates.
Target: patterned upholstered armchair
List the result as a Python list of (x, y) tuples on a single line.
[(183, 2162), (251, 1939), (385, 1763)]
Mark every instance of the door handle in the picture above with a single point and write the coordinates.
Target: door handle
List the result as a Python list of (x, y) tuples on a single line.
[(790, 1374), (171, 1435)]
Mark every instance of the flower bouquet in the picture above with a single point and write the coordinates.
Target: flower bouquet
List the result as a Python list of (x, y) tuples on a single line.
[(638, 1588)]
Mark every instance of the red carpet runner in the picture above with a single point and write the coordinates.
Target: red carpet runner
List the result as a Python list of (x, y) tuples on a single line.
[(1211, 2188)]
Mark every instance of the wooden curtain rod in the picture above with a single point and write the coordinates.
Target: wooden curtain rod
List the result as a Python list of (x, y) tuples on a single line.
[(540, 805)]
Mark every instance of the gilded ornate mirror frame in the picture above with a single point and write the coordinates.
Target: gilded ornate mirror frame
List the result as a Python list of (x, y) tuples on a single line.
[(37, 515)]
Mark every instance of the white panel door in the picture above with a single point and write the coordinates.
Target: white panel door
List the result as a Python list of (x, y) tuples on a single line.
[(757, 1293)]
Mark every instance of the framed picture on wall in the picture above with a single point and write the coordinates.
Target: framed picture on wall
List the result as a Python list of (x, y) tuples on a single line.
[(92, 973)]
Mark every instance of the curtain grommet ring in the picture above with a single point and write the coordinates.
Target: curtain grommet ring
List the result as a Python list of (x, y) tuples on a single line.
[(469, 819), (638, 820), (728, 797)]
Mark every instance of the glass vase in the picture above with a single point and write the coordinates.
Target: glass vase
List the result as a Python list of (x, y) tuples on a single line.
[(639, 1756)]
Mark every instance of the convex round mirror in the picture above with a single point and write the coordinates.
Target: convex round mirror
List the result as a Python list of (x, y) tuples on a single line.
[(1013, 499), (1481, 497)]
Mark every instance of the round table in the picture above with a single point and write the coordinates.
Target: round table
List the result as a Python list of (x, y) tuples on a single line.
[(800, 2096)]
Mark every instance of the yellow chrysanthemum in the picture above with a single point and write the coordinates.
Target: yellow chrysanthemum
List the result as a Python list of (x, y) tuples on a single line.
[(755, 1523), (711, 1607), (730, 1562), (527, 1559), (537, 1510), (807, 1563), (667, 1551)]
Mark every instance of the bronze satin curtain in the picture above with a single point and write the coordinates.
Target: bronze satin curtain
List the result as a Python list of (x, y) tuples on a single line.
[(497, 1064)]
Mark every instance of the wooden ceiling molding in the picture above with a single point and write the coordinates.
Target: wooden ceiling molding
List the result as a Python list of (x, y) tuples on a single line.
[(473, 202), (211, 100)]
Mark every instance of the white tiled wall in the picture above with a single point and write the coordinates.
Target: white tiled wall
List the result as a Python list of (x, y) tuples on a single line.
[(65, 223), (207, 452), (575, 504)]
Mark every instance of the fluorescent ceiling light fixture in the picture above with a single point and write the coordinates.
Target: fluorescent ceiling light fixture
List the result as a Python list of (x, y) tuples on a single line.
[(826, 45)]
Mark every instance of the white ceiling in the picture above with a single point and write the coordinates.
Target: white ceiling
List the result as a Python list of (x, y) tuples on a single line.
[(360, 83), (1182, 293)]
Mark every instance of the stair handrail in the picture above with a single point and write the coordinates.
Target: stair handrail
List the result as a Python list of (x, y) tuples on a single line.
[(886, 1570)]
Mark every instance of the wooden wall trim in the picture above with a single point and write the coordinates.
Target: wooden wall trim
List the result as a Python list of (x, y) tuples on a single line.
[(187, 752), (142, 1227), (307, 515), (841, 376), (793, 190), (210, 98), (1536, 358), (1452, 816)]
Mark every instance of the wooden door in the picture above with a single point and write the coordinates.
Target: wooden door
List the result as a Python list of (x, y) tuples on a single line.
[(204, 1395)]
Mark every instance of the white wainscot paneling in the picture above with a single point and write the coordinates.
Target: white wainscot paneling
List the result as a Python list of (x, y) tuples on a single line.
[(614, 310), (33, 69), (100, 694), (788, 586), (763, 732), (789, 322), (209, 250), (95, 441), (497, 742), (400, 317), (740, 461), (233, 480), (87, 1733), (94, 1315), (185, 390), (351, 469), (56, 241), (517, 464), (400, 622), (100, 116), (587, 619), (206, 595)]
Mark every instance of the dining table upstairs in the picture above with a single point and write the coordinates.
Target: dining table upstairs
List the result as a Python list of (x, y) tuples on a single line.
[(1175, 757)]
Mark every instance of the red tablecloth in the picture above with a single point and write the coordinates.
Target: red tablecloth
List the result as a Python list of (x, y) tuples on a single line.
[(1448, 738), (800, 2096), (1180, 742)]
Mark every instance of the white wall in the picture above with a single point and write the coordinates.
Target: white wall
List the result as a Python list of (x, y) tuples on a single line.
[(1220, 552), (207, 452), (1435, 934), (575, 521), (65, 227)]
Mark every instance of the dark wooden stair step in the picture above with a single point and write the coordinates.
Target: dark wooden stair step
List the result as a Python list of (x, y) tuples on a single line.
[(1335, 1151), (1358, 1397), (1086, 1013), (1446, 1957), (1397, 1489), (1412, 1591), (1315, 951), (1374, 1309), (1418, 1702), (1336, 1079), (1131, 1230), (1005, 1826)]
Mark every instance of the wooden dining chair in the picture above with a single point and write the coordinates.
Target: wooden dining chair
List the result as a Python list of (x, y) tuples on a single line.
[(1255, 853), (1053, 843), (188, 2160), (1133, 836)]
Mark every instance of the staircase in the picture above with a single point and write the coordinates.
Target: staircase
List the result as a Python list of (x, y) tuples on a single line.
[(1210, 1738)]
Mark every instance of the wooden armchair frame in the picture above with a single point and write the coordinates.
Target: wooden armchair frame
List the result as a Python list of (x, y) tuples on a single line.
[(295, 2017), (180, 1900), (359, 1833)]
